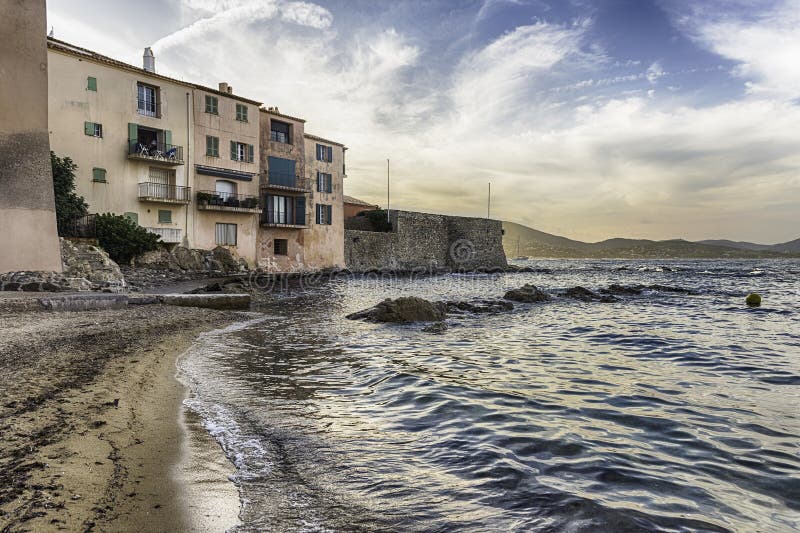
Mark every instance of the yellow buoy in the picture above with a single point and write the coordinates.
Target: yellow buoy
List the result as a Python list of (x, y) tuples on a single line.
[(753, 299)]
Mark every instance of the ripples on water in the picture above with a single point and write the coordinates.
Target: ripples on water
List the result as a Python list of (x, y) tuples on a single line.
[(665, 412)]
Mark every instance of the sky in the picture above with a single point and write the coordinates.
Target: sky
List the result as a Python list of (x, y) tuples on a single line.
[(591, 119)]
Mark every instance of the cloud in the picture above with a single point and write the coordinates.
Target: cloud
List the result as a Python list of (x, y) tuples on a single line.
[(654, 72)]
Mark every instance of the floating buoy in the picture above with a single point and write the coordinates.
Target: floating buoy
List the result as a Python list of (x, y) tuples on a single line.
[(753, 299)]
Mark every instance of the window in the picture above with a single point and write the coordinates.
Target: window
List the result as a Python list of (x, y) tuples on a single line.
[(164, 176), (324, 182), (147, 100), (212, 104), (324, 214), (99, 175), (164, 216), (280, 247), (133, 217), (225, 189), (241, 152), (241, 112), (91, 84), (278, 209), (324, 153), (212, 146), (280, 132), (225, 234), (93, 129)]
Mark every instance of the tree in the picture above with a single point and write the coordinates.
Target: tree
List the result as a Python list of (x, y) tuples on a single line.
[(123, 238), (69, 205)]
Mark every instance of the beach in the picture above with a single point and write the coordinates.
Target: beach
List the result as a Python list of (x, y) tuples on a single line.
[(94, 433)]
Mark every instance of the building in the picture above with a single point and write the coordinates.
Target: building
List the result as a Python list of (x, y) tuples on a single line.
[(302, 226), (200, 167), (354, 206), (28, 235)]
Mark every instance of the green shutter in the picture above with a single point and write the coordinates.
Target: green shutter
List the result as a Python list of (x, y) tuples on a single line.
[(88, 128), (168, 139), (164, 216), (250, 153), (233, 150), (133, 131), (216, 146), (329, 214), (99, 175), (134, 217), (209, 146), (91, 83)]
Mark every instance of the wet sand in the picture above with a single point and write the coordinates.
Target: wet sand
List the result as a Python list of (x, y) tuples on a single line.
[(93, 434)]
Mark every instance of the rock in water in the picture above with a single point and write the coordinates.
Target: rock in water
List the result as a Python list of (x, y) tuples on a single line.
[(527, 294), (436, 327), (753, 299), (585, 295), (403, 310)]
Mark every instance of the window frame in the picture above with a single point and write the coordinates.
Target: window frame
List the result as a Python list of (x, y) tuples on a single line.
[(274, 135), (280, 247), (212, 147), (241, 113), (141, 96), (165, 216), (225, 241), (212, 104), (324, 214), (99, 175)]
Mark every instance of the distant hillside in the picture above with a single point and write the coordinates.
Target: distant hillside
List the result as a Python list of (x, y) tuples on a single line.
[(521, 240)]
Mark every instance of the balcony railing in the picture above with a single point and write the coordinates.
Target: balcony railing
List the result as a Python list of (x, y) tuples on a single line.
[(224, 201), (273, 219), (287, 182), (159, 152), (164, 193), (168, 235)]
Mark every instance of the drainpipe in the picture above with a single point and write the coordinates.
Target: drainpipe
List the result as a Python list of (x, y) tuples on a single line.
[(185, 242)]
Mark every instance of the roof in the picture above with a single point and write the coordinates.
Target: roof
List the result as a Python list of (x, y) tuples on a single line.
[(321, 139), (68, 48), (355, 201), (274, 111)]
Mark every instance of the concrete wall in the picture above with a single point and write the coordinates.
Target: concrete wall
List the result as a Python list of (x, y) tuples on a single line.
[(225, 127), (114, 105), (28, 235), (427, 241)]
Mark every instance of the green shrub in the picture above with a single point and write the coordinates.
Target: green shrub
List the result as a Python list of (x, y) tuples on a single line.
[(377, 219), (69, 205), (123, 239)]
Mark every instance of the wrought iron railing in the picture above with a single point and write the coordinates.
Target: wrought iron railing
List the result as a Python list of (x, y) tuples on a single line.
[(164, 191), (216, 199), (82, 227), (288, 182), (278, 219), (169, 153)]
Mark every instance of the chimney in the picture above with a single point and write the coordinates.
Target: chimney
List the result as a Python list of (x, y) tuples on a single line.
[(225, 88), (149, 60)]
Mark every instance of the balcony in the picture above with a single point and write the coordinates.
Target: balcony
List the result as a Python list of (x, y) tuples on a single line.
[(168, 235), (164, 193), (287, 182), (223, 201), (272, 219), (157, 152)]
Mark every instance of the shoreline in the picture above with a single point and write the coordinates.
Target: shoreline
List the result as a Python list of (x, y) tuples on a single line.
[(95, 433)]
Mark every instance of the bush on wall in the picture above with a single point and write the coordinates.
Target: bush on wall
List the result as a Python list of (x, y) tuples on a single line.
[(123, 239)]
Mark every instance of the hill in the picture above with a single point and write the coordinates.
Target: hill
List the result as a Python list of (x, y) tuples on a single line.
[(520, 240)]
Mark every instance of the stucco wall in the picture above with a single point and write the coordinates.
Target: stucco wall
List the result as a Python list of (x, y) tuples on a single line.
[(427, 241), (325, 243), (28, 235)]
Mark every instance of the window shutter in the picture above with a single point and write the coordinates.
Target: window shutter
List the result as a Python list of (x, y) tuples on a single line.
[(330, 183), (91, 83), (133, 217), (329, 214), (133, 131), (249, 153), (233, 151), (167, 139), (164, 216), (209, 145), (300, 211), (99, 175), (88, 128)]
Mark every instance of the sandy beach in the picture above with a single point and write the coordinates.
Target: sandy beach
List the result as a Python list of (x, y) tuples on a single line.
[(94, 434)]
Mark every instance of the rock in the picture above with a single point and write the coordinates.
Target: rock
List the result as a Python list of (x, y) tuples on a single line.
[(585, 295), (632, 290), (226, 259), (50, 287), (481, 306), (234, 288), (667, 288), (82, 260), (210, 301), (403, 310), (527, 294), (188, 259), (437, 328), (753, 299), (11, 286), (31, 286)]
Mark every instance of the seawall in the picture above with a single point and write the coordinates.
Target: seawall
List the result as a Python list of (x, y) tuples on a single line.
[(427, 241)]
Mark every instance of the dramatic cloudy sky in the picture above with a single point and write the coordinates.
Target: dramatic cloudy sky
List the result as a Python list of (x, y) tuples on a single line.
[(591, 118)]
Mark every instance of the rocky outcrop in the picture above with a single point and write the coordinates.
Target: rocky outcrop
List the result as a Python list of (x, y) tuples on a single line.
[(585, 295), (479, 306), (182, 259), (527, 294), (403, 310), (82, 260)]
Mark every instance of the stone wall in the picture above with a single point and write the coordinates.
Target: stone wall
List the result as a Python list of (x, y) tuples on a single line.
[(427, 241)]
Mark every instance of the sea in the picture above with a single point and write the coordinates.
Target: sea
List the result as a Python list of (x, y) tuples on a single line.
[(676, 409)]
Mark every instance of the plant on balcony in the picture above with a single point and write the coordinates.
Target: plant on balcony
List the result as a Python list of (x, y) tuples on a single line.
[(122, 238), (203, 198), (250, 203)]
